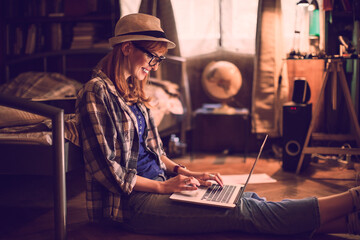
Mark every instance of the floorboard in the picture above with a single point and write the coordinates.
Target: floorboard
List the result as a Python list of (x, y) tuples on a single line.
[(26, 202)]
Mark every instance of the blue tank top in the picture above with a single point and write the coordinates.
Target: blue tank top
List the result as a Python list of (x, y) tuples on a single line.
[(147, 166)]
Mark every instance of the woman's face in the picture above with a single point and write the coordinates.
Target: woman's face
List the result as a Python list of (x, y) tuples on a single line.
[(139, 58)]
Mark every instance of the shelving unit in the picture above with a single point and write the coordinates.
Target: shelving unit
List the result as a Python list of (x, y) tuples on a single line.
[(73, 63), (43, 29), (344, 20), (337, 23)]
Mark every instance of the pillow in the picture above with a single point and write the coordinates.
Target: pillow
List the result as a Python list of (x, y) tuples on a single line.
[(163, 103), (10, 117), (41, 85), (35, 85)]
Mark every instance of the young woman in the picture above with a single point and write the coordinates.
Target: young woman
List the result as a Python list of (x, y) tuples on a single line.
[(127, 168)]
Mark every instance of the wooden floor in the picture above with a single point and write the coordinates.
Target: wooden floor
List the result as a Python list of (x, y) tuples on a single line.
[(26, 207)]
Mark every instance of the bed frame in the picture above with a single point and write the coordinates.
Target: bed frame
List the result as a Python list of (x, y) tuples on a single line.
[(57, 149), (78, 64), (64, 154)]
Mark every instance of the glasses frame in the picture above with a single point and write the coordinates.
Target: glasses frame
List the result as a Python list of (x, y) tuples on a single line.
[(158, 59)]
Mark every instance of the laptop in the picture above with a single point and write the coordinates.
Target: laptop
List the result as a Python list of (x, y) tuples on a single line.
[(214, 195)]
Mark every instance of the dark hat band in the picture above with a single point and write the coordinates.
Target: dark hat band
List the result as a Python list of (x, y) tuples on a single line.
[(156, 34)]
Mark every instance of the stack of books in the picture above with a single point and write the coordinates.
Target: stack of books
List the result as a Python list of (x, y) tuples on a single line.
[(84, 35)]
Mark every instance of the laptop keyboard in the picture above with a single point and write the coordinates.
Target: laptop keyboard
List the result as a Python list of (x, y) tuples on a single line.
[(216, 193)]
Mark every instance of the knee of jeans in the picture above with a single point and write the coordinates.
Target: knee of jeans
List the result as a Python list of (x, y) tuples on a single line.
[(254, 196)]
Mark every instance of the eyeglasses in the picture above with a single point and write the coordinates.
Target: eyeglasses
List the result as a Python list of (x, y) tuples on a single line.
[(153, 58)]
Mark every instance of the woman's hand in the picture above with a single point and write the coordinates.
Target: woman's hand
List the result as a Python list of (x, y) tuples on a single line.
[(179, 183), (204, 177)]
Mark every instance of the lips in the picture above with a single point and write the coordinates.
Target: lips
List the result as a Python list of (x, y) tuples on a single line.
[(145, 70)]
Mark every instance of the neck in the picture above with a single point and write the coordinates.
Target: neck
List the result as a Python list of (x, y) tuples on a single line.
[(127, 75), (126, 69)]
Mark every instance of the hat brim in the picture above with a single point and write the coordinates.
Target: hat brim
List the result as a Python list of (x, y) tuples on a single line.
[(120, 39)]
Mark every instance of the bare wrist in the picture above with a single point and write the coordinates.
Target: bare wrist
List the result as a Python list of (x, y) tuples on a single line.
[(160, 187)]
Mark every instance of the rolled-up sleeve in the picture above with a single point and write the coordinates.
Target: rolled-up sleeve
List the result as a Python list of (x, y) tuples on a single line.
[(102, 140)]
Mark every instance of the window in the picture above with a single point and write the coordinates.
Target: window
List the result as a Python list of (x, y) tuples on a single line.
[(129, 6), (206, 25), (297, 18), (203, 26)]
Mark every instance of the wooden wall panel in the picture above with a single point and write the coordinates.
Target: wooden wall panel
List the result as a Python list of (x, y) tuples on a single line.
[(310, 69), (313, 72)]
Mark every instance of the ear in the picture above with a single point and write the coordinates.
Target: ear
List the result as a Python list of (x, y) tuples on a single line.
[(126, 48)]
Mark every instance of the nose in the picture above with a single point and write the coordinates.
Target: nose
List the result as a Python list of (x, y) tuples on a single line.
[(155, 67)]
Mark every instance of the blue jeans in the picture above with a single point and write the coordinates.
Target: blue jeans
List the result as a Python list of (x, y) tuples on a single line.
[(150, 213)]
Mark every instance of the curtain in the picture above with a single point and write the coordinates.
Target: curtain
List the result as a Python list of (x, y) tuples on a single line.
[(298, 18), (129, 6), (198, 23), (164, 11), (238, 25), (270, 84), (206, 26)]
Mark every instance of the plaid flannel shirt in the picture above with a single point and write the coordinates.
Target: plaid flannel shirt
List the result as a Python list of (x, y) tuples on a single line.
[(109, 139)]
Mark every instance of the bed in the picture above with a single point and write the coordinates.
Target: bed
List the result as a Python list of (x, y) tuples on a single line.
[(33, 133), (39, 140), (26, 138)]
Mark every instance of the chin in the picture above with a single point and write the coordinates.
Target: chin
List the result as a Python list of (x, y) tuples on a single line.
[(141, 79)]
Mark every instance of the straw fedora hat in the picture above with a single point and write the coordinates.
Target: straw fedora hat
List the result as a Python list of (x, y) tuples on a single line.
[(139, 27)]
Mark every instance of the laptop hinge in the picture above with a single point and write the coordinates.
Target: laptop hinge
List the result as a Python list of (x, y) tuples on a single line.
[(240, 193)]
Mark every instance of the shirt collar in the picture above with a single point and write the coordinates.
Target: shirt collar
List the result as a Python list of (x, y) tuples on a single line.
[(108, 82)]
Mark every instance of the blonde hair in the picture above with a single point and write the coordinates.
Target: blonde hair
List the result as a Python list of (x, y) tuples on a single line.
[(132, 90)]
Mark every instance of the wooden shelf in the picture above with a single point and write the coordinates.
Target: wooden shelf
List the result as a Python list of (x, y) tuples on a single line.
[(40, 32), (332, 137), (22, 58), (56, 19)]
